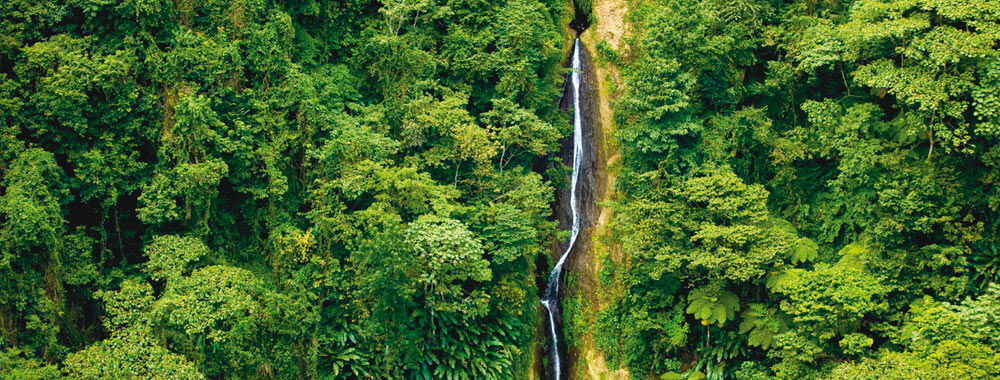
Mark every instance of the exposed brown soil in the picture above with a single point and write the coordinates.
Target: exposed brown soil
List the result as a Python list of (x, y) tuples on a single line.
[(610, 24)]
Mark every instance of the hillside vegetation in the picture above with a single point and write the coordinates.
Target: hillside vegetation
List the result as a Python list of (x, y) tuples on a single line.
[(256, 189), (808, 191)]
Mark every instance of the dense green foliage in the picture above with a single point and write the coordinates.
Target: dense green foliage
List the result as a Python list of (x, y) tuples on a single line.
[(243, 189), (809, 190)]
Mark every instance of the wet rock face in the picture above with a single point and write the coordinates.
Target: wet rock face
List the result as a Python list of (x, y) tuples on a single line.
[(586, 181), (589, 110)]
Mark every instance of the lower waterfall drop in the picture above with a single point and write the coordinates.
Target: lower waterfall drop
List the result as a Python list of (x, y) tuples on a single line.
[(551, 299)]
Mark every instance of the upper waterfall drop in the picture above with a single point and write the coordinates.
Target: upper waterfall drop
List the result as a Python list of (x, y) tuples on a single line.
[(551, 299)]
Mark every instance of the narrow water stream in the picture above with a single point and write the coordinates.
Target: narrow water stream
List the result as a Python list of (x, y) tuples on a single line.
[(551, 299)]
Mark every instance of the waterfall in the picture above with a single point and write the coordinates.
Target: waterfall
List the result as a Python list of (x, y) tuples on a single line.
[(551, 300)]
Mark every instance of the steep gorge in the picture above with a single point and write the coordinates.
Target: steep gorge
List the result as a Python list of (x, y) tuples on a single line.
[(585, 296), (582, 296)]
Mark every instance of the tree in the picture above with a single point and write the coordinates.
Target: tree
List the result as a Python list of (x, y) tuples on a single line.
[(170, 255), (226, 321), (447, 257), (132, 353), (824, 304), (39, 257), (939, 48)]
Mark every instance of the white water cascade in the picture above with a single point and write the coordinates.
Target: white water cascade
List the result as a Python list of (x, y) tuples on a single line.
[(551, 300)]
